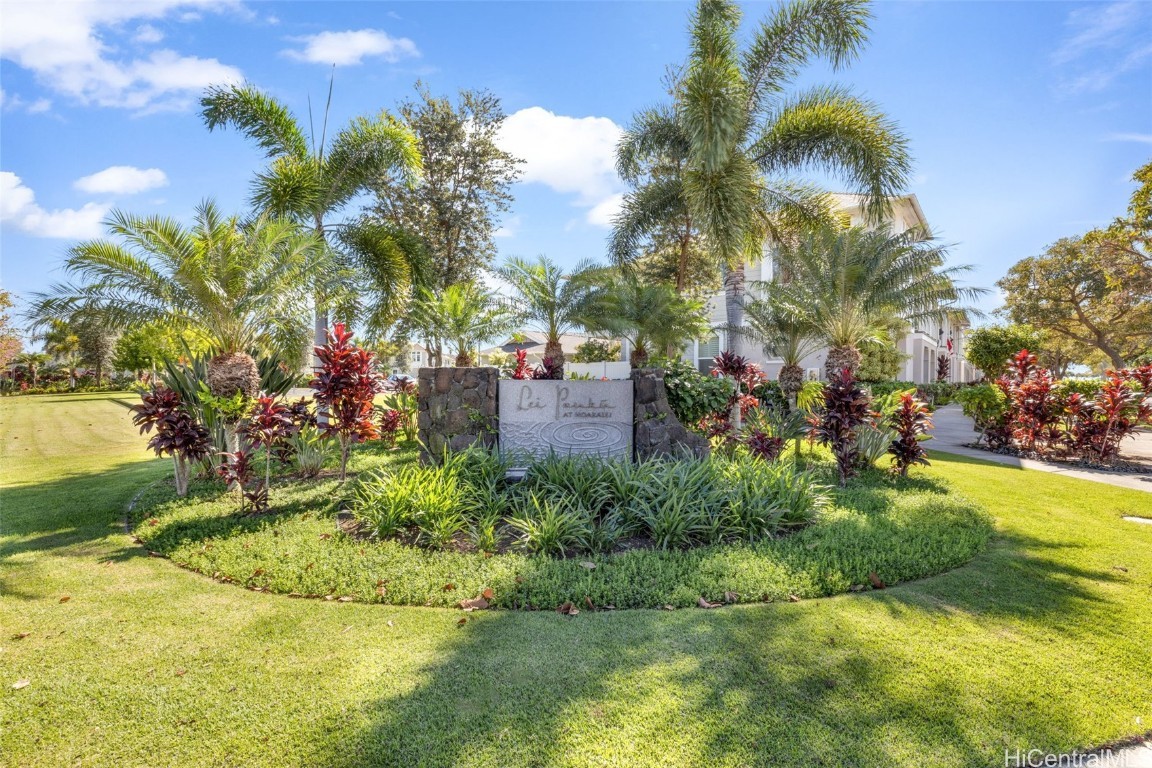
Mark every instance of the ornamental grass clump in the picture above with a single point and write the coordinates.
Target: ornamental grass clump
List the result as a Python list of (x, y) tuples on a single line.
[(345, 387)]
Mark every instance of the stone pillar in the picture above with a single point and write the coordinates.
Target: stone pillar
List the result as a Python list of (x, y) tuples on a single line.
[(657, 430), (457, 408)]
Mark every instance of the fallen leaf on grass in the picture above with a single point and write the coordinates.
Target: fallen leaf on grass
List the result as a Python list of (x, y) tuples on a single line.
[(345, 599), (448, 587), (793, 599), (152, 553), (20, 635), (519, 579), (567, 609), (731, 597), (487, 594), (153, 521), (589, 565), (876, 582), (325, 536), (181, 672), (463, 620), (381, 590), (257, 572), (473, 604), (66, 598), (705, 604), (669, 607), (21, 684), (588, 602), (390, 623), (856, 588), (1120, 568)]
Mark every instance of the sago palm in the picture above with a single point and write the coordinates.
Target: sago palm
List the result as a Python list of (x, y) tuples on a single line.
[(719, 163), (312, 181), (785, 335), (652, 317), (547, 297), (462, 315), (241, 284), (849, 283)]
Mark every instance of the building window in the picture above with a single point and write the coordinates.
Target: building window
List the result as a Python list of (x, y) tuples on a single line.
[(418, 356), (705, 351)]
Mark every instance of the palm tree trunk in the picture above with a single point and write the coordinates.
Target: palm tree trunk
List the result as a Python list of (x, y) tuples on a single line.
[(638, 356), (463, 360), (734, 290), (840, 358), (554, 351)]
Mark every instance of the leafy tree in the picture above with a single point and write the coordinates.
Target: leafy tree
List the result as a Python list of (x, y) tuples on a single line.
[(312, 181), (651, 317), (597, 351), (991, 347), (461, 316), (849, 283), (547, 298), (464, 186), (10, 344), (242, 284), (722, 156), (1069, 292), (62, 343), (1127, 242), (880, 358), (97, 341)]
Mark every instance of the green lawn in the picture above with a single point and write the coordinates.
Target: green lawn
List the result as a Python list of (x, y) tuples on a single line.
[(1041, 642)]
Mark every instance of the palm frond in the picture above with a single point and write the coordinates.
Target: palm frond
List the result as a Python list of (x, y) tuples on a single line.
[(257, 115)]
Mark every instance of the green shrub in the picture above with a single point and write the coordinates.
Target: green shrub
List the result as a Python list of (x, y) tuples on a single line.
[(691, 394), (550, 527), (1087, 388)]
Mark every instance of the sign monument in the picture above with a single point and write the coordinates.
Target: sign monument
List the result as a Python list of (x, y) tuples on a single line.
[(543, 416)]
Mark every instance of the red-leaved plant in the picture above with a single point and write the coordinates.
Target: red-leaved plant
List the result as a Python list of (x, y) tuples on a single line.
[(522, 370), (549, 368), (1033, 402), (763, 445), (236, 469), (345, 386), (177, 433), (391, 422), (269, 426), (1141, 375), (911, 420), (846, 407), (1098, 426)]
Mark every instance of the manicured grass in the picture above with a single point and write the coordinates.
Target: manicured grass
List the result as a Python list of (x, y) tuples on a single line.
[(1041, 642), (899, 529)]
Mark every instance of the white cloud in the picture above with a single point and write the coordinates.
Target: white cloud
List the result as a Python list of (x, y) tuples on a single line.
[(146, 33), (508, 228), (64, 45), (570, 155), (602, 213), (18, 208), (15, 102), (1106, 40), (351, 47), (1141, 138), (122, 180)]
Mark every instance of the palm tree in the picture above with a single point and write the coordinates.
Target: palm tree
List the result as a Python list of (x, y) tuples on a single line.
[(547, 297), (62, 343), (32, 362), (726, 149), (242, 284), (847, 284), (313, 181), (785, 335), (651, 316), (463, 315)]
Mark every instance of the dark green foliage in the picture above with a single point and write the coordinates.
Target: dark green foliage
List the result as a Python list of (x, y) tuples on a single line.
[(596, 351), (691, 394), (991, 347)]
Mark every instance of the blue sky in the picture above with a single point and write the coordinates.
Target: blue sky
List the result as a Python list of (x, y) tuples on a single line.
[(1026, 119)]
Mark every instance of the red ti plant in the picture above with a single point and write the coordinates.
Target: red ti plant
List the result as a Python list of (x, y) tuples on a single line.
[(522, 370), (1033, 403), (391, 421), (846, 407), (269, 426), (236, 469), (549, 368), (177, 433), (1117, 412), (911, 420), (943, 367), (1142, 376), (763, 445), (745, 374), (345, 385)]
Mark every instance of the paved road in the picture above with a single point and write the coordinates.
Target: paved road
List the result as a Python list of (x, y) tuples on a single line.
[(953, 429)]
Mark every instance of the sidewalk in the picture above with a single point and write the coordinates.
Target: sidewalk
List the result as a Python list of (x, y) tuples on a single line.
[(953, 429)]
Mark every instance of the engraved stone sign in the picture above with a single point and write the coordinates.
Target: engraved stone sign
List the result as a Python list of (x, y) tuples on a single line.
[(539, 417)]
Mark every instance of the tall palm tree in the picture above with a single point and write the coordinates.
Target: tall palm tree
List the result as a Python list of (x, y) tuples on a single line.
[(242, 284), (312, 181), (650, 316), (31, 362), (547, 297), (847, 284), (785, 335), (463, 315), (728, 146)]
